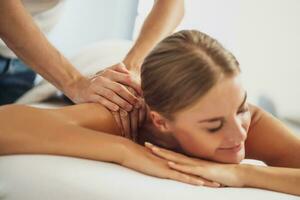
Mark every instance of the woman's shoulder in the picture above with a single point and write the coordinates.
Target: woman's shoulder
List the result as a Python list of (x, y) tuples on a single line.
[(91, 115), (271, 141), (256, 113)]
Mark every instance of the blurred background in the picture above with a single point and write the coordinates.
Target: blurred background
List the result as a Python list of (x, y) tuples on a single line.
[(262, 34)]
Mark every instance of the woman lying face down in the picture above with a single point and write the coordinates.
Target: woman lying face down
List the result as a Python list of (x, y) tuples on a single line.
[(196, 98), (196, 105), (214, 128)]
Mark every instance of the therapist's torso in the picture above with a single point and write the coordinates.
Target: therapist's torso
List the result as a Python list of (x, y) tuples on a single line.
[(45, 13)]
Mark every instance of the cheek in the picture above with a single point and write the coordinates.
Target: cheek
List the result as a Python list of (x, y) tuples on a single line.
[(197, 143)]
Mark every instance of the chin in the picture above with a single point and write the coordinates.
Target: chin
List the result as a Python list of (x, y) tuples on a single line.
[(235, 158)]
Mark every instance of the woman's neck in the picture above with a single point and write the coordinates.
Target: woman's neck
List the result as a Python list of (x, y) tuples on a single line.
[(149, 133)]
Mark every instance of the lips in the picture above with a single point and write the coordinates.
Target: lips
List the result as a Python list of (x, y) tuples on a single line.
[(233, 149)]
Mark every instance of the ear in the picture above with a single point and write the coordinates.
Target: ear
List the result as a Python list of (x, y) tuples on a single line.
[(160, 122)]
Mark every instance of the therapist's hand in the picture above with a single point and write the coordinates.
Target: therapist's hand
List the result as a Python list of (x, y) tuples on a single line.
[(129, 122), (107, 87)]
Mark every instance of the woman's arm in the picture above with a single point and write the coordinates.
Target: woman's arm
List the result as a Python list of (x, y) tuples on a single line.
[(279, 179), (269, 141), (27, 130)]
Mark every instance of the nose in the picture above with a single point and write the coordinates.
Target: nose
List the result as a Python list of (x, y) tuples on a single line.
[(236, 132)]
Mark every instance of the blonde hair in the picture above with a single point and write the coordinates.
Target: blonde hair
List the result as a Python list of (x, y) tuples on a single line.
[(182, 68)]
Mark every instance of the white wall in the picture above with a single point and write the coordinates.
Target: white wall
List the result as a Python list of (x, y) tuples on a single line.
[(268, 48), (264, 35), (86, 22)]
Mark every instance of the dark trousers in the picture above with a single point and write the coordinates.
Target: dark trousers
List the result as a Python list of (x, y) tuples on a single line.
[(15, 79)]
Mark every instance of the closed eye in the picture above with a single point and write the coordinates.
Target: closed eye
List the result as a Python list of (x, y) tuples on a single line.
[(213, 130)]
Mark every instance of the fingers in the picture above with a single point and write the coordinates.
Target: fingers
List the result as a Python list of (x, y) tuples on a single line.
[(114, 92), (120, 67), (123, 92), (170, 155), (108, 104), (117, 117), (117, 76), (125, 120), (134, 123), (108, 84), (175, 175), (135, 85), (123, 78), (194, 180), (194, 170), (114, 98), (142, 112), (136, 82), (188, 166), (135, 78)]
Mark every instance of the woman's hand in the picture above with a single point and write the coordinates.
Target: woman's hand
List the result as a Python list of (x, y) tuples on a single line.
[(224, 174), (141, 159)]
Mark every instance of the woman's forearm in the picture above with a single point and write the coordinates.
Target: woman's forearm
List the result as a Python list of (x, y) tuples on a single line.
[(279, 179)]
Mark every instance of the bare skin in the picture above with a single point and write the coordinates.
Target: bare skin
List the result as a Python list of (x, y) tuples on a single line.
[(107, 88), (78, 131), (90, 131), (36, 51)]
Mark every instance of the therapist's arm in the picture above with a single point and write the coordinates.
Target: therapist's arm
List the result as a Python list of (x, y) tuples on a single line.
[(164, 17), (20, 33), (160, 22)]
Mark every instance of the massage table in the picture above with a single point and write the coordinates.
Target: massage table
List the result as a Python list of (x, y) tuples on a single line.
[(50, 177)]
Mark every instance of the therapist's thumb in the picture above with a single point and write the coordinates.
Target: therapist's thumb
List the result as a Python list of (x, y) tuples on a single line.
[(120, 67)]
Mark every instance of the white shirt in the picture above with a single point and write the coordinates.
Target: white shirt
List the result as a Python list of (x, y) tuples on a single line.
[(45, 13)]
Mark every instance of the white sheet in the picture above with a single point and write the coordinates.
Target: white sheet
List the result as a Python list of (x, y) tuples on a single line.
[(45, 177)]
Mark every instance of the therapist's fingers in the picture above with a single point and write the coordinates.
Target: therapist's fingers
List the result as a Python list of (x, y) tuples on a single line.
[(124, 78), (134, 117), (113, 97), (117, 118), (123, 92), (114, 92), (125, 119), (120, 67), (108, 104), (142, 112)]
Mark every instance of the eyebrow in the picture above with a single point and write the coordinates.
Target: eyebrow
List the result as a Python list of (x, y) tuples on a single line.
[(222, 119)]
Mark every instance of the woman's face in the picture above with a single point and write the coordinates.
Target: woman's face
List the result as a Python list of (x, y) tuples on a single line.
[(216, 127)]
